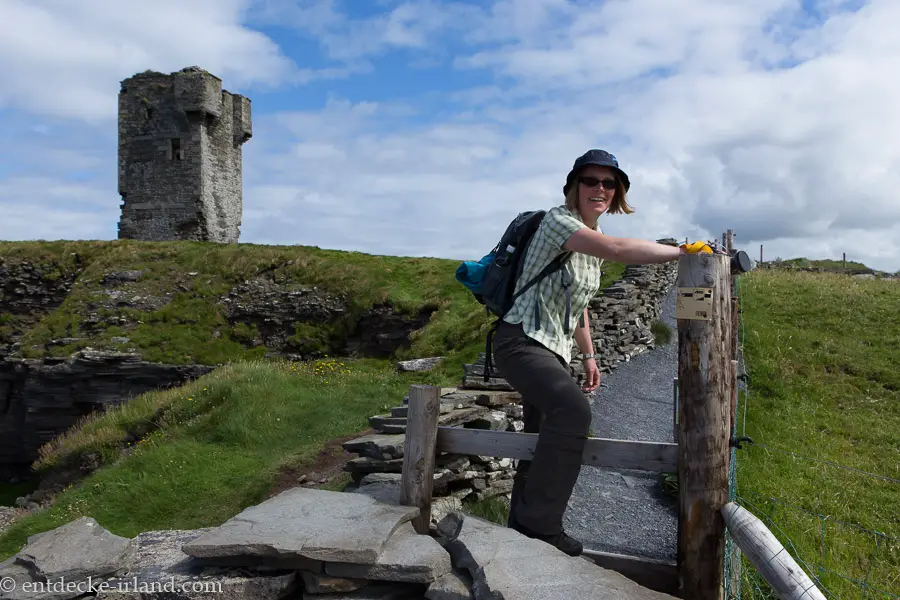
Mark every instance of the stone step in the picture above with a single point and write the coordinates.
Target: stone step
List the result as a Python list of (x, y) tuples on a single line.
[(378, 446), (478, 383), (494, 398), (378, 422)]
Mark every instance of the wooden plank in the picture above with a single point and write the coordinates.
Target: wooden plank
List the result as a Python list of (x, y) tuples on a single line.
[(767, 554), (704, 402), (417, 479), (598, 452), (658, 575)]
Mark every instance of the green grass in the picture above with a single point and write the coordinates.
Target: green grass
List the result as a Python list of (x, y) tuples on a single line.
[(662, 333), (826, 264), (823, 353), (495, 509), (214, 446)]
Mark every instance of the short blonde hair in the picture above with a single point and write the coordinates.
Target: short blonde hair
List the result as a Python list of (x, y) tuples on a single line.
[(618, 205)]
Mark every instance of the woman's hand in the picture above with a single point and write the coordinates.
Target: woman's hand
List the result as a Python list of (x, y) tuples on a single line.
[(591, 375)]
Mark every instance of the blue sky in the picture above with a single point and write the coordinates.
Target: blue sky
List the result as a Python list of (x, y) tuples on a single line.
[(419, 128)]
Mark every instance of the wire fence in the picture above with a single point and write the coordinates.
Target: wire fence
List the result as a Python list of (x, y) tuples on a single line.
[(844, 559)]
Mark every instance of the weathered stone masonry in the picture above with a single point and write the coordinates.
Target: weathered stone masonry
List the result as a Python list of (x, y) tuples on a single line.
[(180, 161)]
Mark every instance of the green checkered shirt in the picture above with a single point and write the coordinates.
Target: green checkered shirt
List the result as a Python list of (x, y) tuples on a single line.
[(542, 309)]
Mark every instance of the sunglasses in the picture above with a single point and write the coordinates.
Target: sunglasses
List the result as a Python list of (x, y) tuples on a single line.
[(608, 184)]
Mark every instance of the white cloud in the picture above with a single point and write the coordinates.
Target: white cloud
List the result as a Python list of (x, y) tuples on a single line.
[(66, 58), (755, 116), (47, 209)]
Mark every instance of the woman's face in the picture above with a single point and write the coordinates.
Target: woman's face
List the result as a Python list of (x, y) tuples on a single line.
[(596, 190)]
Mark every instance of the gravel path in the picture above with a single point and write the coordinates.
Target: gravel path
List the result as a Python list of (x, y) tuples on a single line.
[(626, 511)]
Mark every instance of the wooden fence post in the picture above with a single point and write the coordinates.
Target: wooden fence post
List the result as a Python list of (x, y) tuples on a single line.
[(417, 480), (705, 388)]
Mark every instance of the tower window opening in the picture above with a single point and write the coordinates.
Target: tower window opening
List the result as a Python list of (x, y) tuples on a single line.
[(175, 150)]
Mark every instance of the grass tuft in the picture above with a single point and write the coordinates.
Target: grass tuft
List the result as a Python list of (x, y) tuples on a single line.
[(662, 333)]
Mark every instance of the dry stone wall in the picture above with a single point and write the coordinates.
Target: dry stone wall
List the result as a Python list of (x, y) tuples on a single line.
[(622, 315)]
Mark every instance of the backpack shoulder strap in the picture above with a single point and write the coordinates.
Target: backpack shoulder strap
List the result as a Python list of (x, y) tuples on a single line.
[(554, 265)]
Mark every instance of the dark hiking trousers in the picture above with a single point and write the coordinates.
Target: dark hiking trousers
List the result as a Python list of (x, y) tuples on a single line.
[(555, 408)]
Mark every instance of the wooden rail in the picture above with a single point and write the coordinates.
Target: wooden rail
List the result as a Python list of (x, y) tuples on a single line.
[(598, 452), (767, 554)]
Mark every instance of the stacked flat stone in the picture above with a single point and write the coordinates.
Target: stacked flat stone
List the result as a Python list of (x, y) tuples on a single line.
[(461, 477)]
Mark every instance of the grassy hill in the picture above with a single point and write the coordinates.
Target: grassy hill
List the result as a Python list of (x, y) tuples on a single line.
[(172, 315), (823, 406)]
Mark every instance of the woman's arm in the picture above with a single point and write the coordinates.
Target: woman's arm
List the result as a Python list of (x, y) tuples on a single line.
[(623, 250), (583, 336)]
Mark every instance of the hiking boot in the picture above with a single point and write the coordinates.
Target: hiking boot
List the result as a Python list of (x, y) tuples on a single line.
[(561, 541)]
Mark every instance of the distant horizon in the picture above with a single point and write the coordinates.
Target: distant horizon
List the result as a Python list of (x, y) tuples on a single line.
[(753, 258), (421, 128)]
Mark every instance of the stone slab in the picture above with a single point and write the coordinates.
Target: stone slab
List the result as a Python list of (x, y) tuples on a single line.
[(497, 398), (461, 415), (505, 565), (22, 584), (420, 364), (407, 556), (75, 551), (365, 465), (310, 523), (378, 446), (160, 569), (386, 492)]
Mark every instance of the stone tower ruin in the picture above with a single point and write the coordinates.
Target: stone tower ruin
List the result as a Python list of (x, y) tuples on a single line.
[(180, 163)]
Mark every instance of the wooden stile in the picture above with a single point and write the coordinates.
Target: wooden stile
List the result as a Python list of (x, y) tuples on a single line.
[(704, 402)]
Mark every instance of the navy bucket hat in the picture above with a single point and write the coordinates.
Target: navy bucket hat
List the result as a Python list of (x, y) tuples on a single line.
[(601, 158)]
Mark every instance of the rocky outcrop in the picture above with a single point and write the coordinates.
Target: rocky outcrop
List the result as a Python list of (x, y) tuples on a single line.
[(304, 322), (29, 290), (311, 544), (39, 399)]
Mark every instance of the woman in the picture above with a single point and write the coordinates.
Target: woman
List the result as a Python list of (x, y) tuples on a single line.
[(533, 342)]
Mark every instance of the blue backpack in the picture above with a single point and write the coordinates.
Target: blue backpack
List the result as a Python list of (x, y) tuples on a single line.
[(492, 280)]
